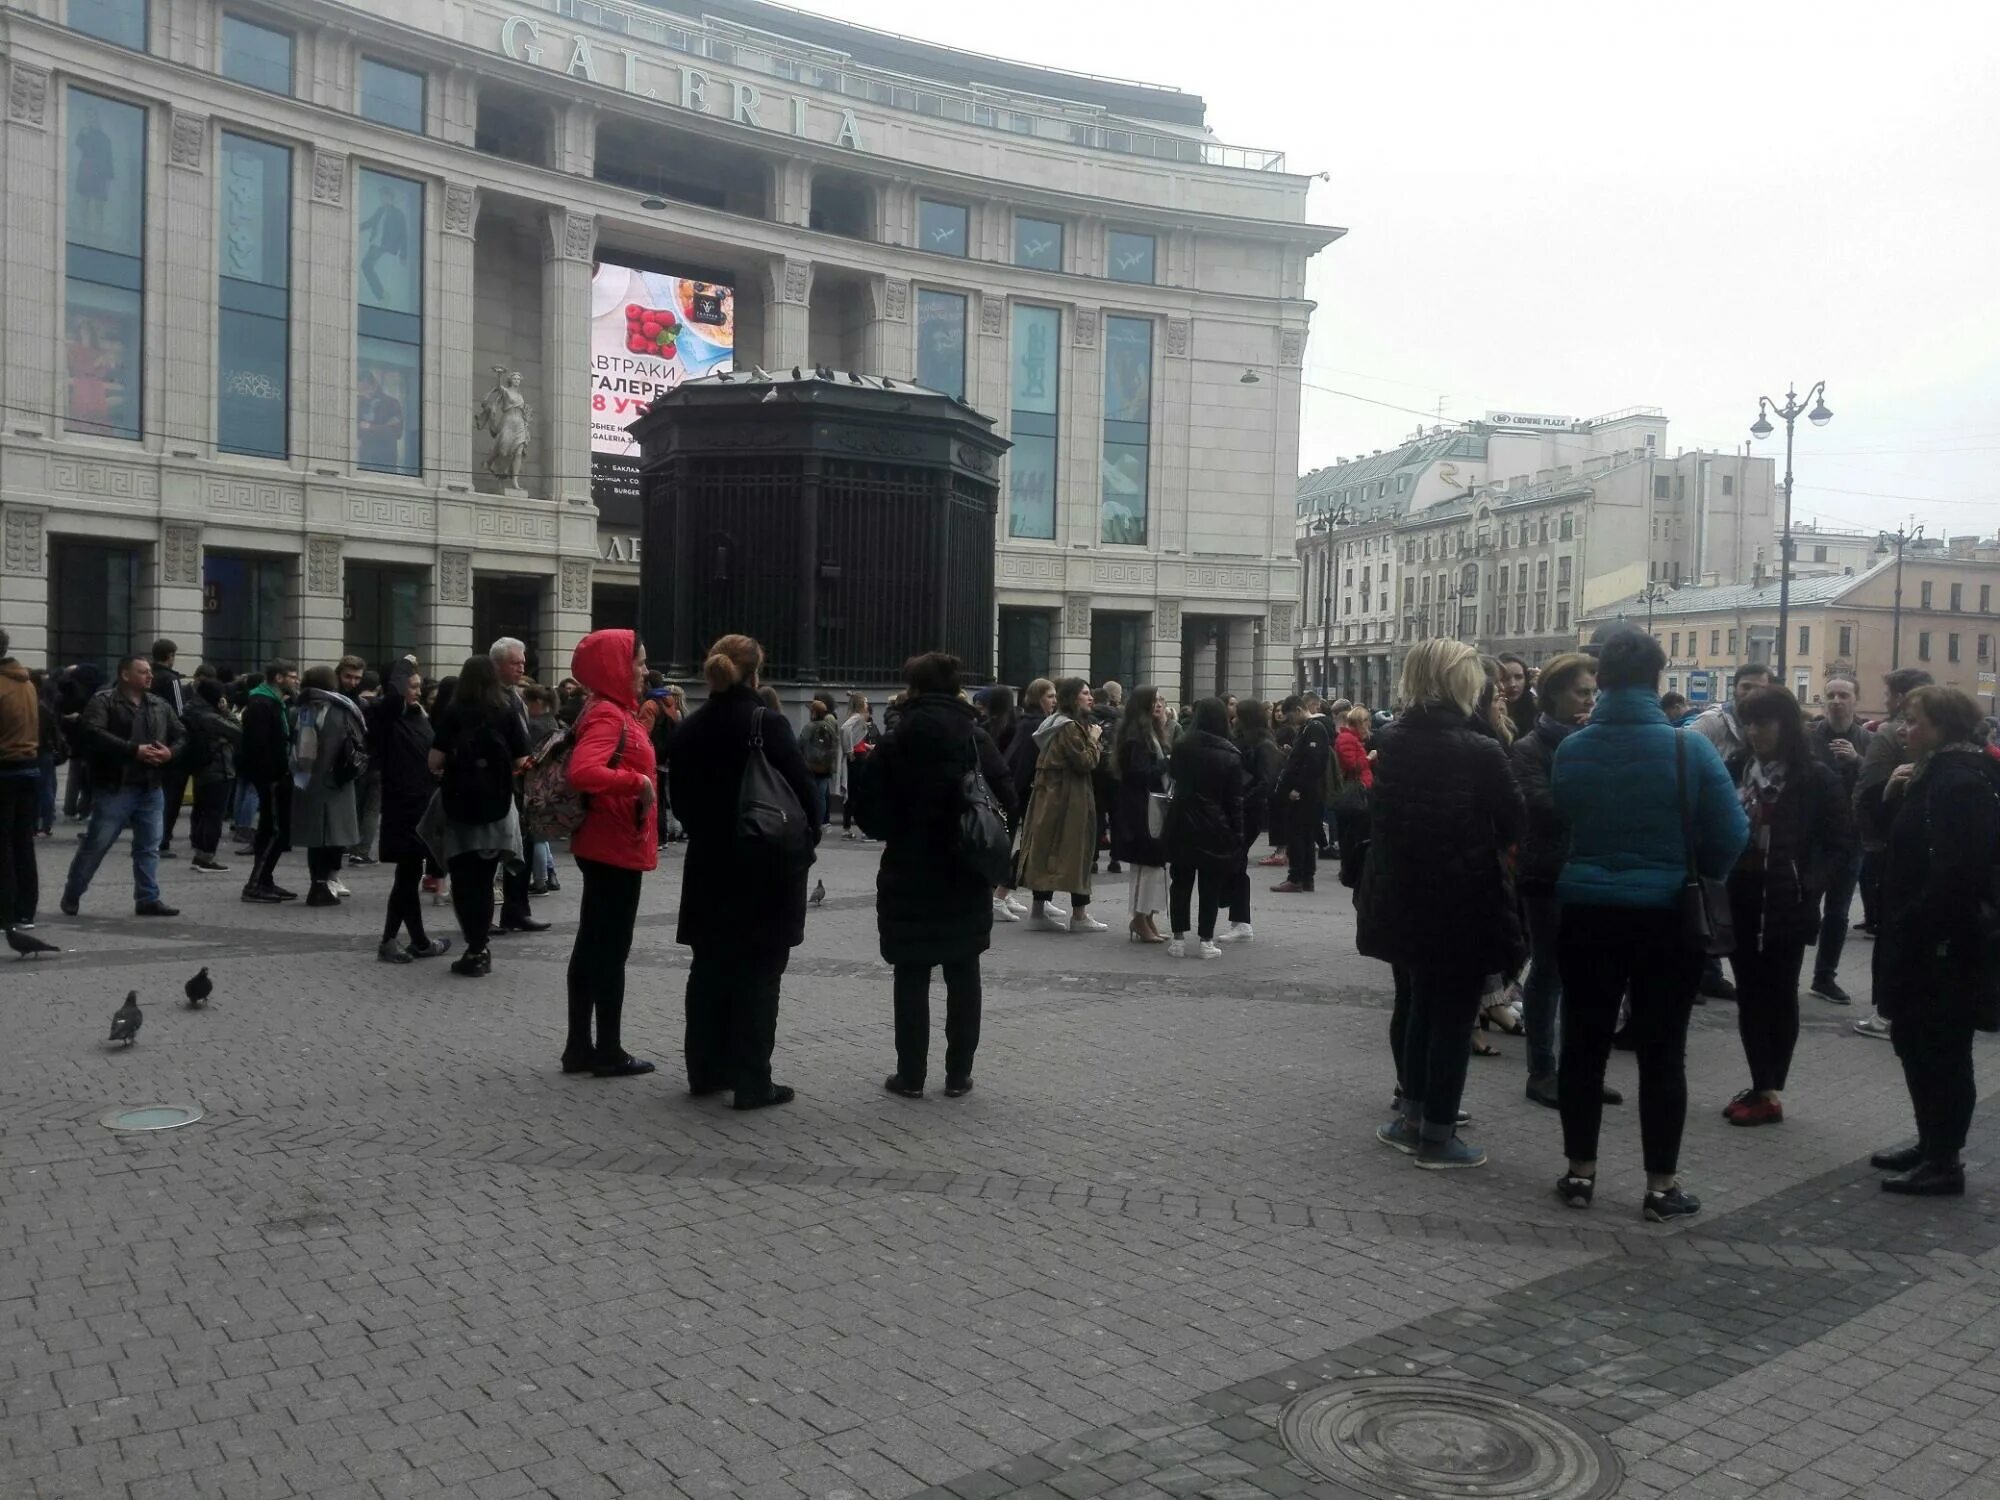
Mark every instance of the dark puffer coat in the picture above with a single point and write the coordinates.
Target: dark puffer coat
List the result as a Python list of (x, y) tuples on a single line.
[(727, 902), (1437, 889), (1774, 893), (1205, 824), (399, 746), (1545, 844), (1142, 770), (1937, 899), (930, 906)]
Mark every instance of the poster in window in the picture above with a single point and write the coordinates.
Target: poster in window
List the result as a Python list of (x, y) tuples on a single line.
[(392, 238), (1036, 332), (1128, 370), (388, 406), (101, 359), (256, 192), (941, 343), (1031, 487), (648, 332), (107, 174)]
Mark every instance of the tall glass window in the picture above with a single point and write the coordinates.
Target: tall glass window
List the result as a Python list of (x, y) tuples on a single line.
[(942, 227), (941, 342), (258, 55), (120, 21), (391, 95), (1031, 464), (1128, 437), (1038, 243), (1129, 257), (389, 354), (254, 327), (104, 282)]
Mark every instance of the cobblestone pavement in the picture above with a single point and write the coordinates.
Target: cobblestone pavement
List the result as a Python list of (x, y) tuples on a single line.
[(403, 1255)]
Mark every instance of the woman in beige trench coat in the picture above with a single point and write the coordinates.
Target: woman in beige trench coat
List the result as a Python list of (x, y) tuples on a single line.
[(1059, 834)]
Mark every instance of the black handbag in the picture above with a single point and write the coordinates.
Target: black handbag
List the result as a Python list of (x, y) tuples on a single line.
[(1706, 921), (769, 820), (983, 841)]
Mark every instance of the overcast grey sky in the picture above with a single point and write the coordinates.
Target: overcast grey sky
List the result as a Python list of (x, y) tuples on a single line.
[(1566, 207)]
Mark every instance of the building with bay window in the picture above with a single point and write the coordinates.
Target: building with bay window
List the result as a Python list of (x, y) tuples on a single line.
[(288, 282)]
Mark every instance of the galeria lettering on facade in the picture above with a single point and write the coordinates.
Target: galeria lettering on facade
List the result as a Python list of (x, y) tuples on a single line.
[(688, 87)]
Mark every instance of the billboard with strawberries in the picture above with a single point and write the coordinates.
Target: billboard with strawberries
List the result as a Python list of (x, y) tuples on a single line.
[(648, 333)]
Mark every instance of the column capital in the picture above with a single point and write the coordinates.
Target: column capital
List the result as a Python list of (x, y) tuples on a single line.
[(322, 569), (461, 208), (790, 280), (180, 555), (567, 235), (187, 150), (23, 551), (329, 179), (28, 95), (892, 299)]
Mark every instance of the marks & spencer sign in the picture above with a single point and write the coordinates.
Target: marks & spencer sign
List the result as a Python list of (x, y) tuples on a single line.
[(683, 85)]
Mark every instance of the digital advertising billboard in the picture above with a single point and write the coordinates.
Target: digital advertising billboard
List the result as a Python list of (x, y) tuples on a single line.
[(648, 332)]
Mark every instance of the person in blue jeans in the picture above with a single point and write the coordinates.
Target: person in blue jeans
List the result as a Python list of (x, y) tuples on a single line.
[(127, 736)]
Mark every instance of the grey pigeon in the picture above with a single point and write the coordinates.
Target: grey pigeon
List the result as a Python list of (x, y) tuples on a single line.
[(127, 1019), (198, 989), (819, 892), (28, 947)]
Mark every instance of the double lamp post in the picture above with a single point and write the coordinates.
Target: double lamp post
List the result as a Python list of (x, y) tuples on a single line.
[(1789, 412)]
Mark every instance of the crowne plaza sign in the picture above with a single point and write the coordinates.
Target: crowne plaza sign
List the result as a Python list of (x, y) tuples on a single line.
[(679, 85)]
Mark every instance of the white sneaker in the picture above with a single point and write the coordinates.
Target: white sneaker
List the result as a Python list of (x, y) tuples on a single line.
[(1052, 920), (1874, 1026), (1014, 906), (1209, 950), (1002, 912), (1085, 922), (1239, 932), (1177, 949), (339, 890)]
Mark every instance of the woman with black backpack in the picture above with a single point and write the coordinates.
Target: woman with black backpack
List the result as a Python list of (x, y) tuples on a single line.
[(479, 745), (933, 907), (743, 902)]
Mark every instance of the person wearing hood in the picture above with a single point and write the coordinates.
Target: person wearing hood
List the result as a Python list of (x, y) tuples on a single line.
[(1937, 963), (741, 911), (1059, 832), (611, 763), (399, 746), (328, 740), (23, 735), (1519, 701), (1567, 693), (932, 908), (1204, 839), (1437, 892), (213, 735)]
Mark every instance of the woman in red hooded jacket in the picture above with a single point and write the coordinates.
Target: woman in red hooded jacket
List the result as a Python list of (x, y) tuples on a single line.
[(611, 762)]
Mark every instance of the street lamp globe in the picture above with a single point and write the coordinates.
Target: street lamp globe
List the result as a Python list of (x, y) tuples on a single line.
[(1820, 415), (1761, 428)]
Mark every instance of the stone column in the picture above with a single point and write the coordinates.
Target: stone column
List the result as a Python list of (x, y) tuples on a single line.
[(30, 292), (565, 617), (791, 192), (24, 582), (568, 241), (1082, 434), (1168, 503), (886, 345), (170, 590), (326, 333), (447, 624), (1163, 652), (187, 404), (453, 322), (316, 603), (1070, 651), (787, 312)]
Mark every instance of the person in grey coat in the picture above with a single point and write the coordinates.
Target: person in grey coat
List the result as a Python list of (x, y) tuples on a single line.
[(328, 731)]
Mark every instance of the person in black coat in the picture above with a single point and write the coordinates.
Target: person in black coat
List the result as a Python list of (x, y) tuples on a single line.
[(1437, 894), (399, 746), (1801, 832), (1038, 701), (1206, 836), (1139, 769), (1936, 954), (932, 909), (1301, 793), (740, 915), (265, 761)]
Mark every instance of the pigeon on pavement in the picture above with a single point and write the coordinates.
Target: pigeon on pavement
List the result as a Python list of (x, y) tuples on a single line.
[(198, 989), (127, 1019), (819, 892), (27, 946)]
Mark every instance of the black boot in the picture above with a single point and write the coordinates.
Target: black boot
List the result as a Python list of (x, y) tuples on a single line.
[(1930, 1178)]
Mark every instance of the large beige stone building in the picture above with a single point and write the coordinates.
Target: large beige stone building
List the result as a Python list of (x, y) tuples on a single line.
[(263, 262)]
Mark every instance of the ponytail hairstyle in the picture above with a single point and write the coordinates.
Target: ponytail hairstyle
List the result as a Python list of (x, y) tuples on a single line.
[(733, 659)]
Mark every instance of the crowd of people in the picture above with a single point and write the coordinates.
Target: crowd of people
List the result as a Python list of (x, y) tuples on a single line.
[(1562, 854)]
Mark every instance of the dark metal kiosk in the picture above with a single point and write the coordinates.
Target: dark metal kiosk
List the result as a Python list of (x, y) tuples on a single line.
[(845, 521)]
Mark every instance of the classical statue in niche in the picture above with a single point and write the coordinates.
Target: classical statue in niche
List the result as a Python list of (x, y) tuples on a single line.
[(504, 415)]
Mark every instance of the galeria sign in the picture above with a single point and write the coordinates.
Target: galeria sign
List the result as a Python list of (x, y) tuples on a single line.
[(686, 86)]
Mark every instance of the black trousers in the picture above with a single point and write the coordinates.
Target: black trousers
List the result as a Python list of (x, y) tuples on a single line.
[(1437, 1041), (1301, 841), (173, 787), (604, 925), (20, 885), (211, 803), (1353, 838), (1870, 884), (1078, 900), (323, 863), (1602, 952), (1936, 1053), (406, 906), (472, 897), (274, 830), (913, 1018), (1399, 1021), (513, 895), (1767, 1010), (732, 1017), (1217, 882)]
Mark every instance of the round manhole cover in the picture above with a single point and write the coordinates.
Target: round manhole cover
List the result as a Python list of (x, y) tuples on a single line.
[(1439, 1439), (150, 1116)]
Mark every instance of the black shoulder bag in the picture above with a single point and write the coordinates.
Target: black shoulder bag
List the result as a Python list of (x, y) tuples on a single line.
[(769, 820), (983, 841), (1706, 922)]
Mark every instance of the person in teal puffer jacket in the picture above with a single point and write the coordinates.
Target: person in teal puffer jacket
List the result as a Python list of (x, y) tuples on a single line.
[(1616, 783)]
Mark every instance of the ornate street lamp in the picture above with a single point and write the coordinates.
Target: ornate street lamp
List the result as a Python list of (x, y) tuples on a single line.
[(1789, 412)]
